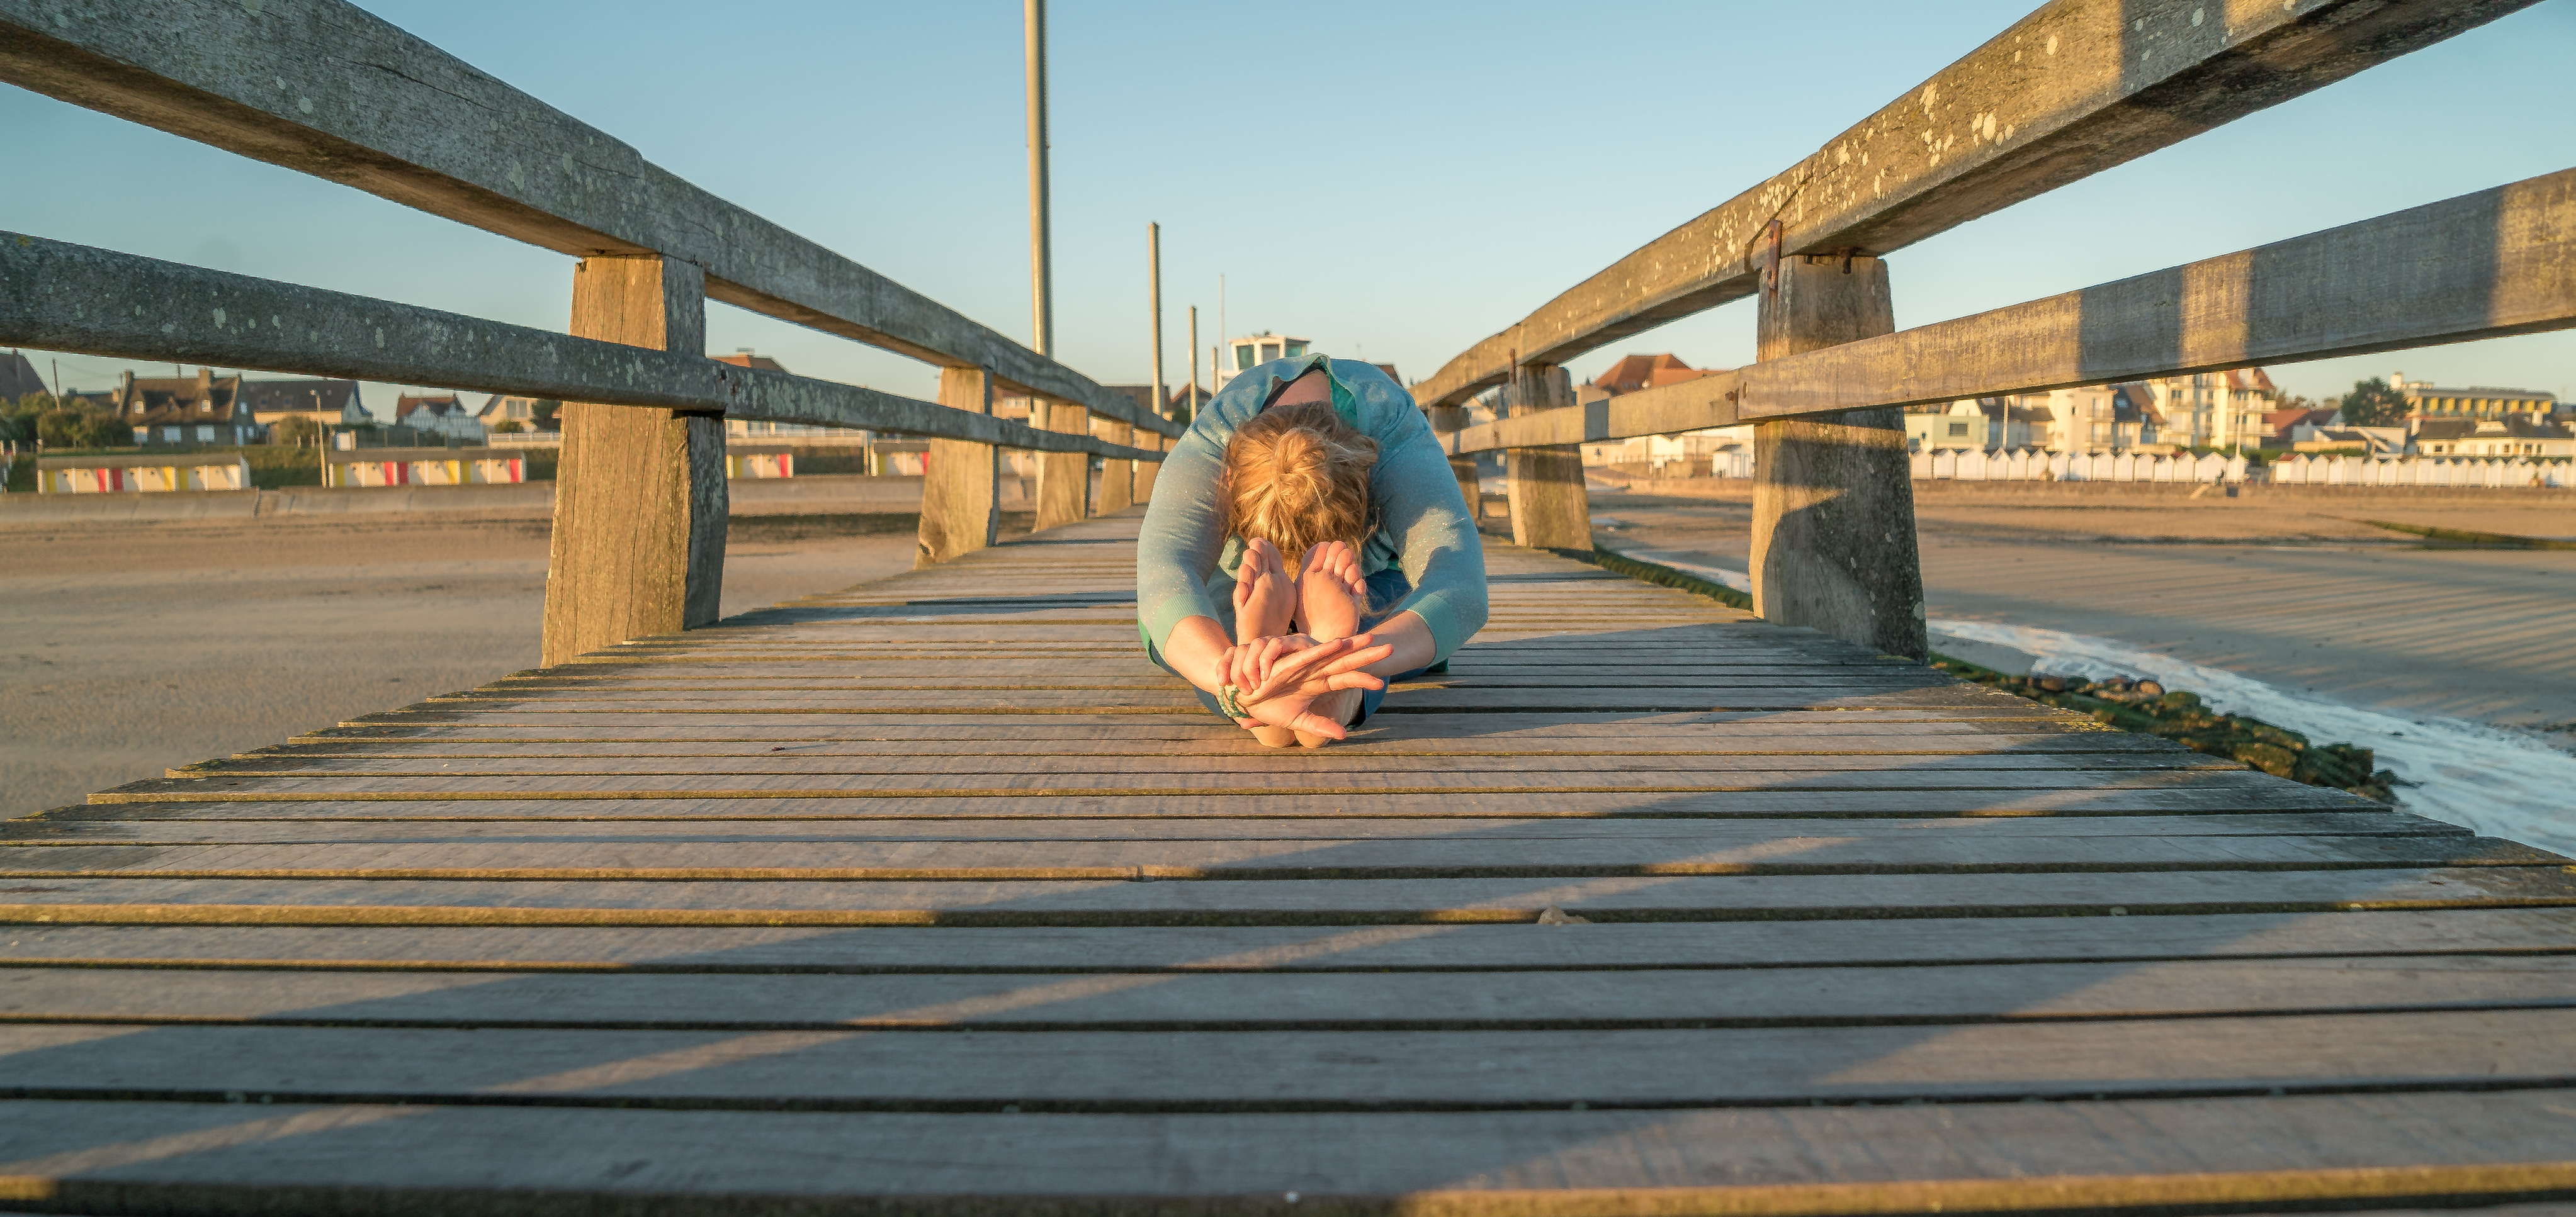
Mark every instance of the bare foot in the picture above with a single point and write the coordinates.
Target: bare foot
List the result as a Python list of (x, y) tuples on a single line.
[(1277, 737), (1338, 706), (1331, 593), (1264, 597)]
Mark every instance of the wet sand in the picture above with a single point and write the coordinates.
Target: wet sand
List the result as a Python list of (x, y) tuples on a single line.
[(2293, 591), (127, 649)]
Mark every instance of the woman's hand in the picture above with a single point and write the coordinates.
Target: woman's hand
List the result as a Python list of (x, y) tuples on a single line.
[(1303, 674), (1295, 666), (1247, 665)]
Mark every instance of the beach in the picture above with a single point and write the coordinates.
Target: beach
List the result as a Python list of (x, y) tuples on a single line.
[(2451, 662), (2293, 590), (128, 648)]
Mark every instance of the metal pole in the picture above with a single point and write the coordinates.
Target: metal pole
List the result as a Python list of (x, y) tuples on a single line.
[(1154, 273), (1041, 277), (1194, 363)]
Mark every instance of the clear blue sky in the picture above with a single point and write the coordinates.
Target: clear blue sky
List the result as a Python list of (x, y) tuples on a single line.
[(1394, 180)]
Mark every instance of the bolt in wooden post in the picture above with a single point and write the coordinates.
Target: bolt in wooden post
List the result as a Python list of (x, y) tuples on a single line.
[(1064, 478), (1833, 496), (1117, 478), (639, 529), (961, 485), (1549, 507)]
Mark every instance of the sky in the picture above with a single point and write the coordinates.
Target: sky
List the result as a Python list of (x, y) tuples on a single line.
[(1391, 180)]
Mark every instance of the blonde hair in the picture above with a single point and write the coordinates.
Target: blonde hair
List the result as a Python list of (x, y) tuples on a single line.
[(1298, 476)]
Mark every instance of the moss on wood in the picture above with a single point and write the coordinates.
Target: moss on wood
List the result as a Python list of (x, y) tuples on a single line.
[(2148, 708)]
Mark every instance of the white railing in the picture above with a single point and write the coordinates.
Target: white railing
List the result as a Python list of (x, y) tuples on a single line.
[(2036, 465), (2321, 470)]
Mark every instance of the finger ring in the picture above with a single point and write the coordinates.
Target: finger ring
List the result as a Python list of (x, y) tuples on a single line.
[(1228, 703)]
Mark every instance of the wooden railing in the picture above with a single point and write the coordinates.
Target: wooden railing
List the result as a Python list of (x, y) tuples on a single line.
[(2077, 87), (323, 87)]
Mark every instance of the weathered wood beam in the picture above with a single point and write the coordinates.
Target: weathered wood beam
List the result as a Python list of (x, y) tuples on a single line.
[(1550, 509), (55, 295), (2487, 265), (1064, 478), (2484, 265), (961, 496), (1688, 406), (2077, 87), (1117, 478), (1145, 470), (1833, 505), (323, 87), (640, 499)]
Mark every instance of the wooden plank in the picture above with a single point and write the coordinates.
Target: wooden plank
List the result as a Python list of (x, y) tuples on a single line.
[(1262, 1001), (2483, 265), (639, 506), (2254, 793), (1734, 945), (612, 787), (1174, 742), (1320, 828), (1426, 732), (965, 902), (1310, 1070), (2105, 1156), (189, 313), (300, 87), (352, 773), (2077, 87), (1399, 858)]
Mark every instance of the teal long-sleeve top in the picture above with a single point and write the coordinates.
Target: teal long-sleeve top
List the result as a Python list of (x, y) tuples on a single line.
[(1185, 562)]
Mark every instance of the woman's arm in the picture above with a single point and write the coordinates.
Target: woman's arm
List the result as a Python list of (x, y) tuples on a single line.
[(1435, 538)]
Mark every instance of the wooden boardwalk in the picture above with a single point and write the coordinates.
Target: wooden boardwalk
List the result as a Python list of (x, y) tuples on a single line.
[(934, 896)]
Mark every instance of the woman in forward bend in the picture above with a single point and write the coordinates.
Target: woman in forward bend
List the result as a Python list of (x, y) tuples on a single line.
[(1306, 543)]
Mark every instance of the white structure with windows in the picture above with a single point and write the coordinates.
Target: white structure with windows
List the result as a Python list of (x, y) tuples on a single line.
[(1247, 353)]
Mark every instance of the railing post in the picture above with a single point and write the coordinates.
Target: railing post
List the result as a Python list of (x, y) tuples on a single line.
[(1833, 494), (1549, 507), (1447, 421), (1145, 470), (961, 484), (1117, 478), (639, 527), (1064, 478)]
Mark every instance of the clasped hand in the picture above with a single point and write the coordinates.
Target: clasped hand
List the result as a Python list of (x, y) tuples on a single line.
[(1278, 677)]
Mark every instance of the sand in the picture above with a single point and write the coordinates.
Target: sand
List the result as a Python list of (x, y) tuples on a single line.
[(2290, 590), (127, 649)]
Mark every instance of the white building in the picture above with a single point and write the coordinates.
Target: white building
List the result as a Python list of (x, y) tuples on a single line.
[(1692, 449), (440, 414), (1246, 353), (2213, 409)]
